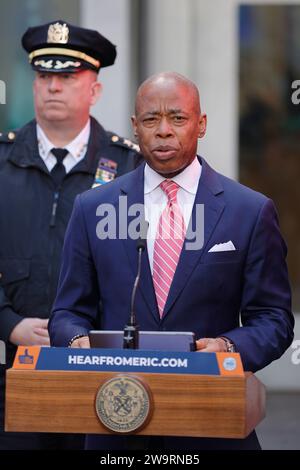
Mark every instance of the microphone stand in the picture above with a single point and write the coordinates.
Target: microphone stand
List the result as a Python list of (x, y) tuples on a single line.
[(131, 330)]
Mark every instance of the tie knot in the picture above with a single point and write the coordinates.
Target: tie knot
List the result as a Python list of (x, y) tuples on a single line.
[(171, 189), (59, 154)]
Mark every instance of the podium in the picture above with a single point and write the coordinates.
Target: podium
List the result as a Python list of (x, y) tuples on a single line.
[(191, 394)]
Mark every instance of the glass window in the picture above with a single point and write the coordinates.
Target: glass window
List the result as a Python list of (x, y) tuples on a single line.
[(269, 133)]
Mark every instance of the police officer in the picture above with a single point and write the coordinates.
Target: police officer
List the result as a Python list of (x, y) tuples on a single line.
[(43, 166)]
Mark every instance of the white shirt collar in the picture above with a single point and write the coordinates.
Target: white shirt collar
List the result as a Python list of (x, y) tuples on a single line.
[(188, 179), (79, 144), (77, 147)]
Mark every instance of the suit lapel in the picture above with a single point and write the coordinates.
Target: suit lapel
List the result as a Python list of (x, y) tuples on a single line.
[(133, 188), (209, 194)]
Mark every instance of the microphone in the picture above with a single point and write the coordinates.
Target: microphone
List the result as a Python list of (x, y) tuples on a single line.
[(131, 330)]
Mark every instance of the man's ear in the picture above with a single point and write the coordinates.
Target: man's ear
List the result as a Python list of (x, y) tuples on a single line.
[(96, 90), (202, 125), (134, 126), (34, 85)]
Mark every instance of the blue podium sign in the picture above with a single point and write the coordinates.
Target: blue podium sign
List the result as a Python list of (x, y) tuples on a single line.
[(124, 360)]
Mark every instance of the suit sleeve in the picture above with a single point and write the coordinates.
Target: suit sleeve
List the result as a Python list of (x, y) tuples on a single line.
[(76, 305), (266, 298)]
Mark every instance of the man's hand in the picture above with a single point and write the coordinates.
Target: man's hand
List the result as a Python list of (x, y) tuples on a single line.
[(211, 345), (82, 342), (31, 331)]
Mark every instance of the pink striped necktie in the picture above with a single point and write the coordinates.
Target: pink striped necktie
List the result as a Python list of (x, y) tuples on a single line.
[(168, 244)]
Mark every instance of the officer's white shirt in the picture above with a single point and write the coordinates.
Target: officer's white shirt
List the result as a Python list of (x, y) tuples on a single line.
[(77, 148)]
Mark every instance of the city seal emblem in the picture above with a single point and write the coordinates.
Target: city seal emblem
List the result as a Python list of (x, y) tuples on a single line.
[(123, 404)]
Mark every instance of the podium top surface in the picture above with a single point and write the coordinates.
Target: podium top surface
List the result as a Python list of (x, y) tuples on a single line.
[(124, 360)]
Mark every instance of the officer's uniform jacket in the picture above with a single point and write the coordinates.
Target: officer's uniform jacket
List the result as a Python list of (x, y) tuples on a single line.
[(34, 216)]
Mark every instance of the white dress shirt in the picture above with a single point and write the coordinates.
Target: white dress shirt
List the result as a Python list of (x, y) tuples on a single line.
[(156, 199), (77, 148)]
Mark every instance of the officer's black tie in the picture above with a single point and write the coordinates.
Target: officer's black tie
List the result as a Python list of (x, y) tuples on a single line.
[(59, 172)]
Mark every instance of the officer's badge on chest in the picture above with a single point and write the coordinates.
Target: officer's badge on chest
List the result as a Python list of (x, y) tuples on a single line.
[(106, 172)]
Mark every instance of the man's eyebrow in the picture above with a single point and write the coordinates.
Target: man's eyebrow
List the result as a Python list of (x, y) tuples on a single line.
[(156, 113), (151, 113), (175, 111)]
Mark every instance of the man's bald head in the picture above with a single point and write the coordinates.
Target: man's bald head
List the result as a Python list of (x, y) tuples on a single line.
[(165, 80)]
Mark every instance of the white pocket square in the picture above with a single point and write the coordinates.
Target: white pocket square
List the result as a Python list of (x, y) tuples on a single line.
[(228, 246)]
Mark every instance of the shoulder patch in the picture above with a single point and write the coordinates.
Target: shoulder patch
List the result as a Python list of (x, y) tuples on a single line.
[(127, 143), (8, 136)]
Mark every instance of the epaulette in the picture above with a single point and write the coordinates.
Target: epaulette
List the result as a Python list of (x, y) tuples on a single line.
[(8, 137), (127, 143)]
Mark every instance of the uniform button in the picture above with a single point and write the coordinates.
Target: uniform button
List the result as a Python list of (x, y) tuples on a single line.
[(11, 135), (115, 138), (0, 275)]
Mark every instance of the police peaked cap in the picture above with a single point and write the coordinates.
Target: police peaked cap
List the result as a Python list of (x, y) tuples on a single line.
[(62, 47)]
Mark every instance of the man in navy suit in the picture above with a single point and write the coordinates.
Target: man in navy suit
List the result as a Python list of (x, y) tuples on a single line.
[(232, 290)]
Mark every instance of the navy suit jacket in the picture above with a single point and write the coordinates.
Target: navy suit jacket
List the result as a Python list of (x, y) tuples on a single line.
[(242, 294)]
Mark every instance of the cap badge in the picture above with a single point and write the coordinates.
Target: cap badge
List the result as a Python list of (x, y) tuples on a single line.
[(58, 33)]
